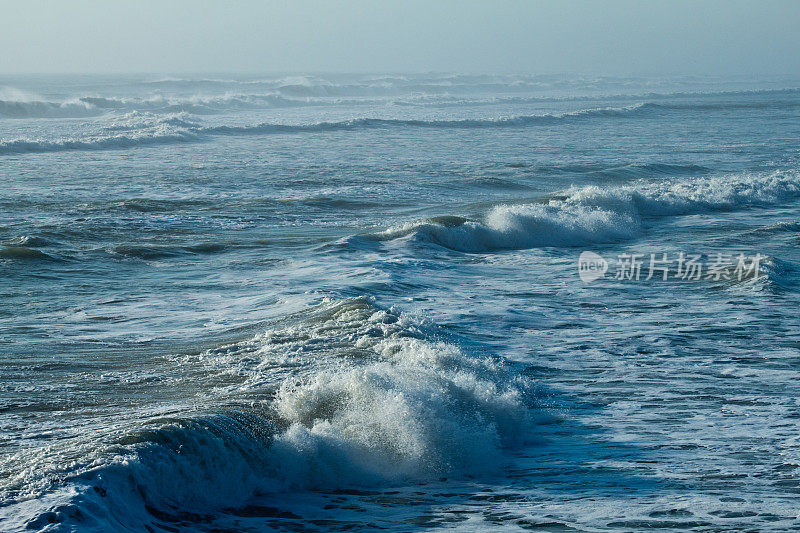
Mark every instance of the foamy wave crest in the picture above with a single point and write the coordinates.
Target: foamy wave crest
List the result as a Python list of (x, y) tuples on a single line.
[(346, 394), (589, 215)]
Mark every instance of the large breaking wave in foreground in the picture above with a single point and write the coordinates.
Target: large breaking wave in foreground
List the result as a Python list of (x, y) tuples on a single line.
[(344, 394)]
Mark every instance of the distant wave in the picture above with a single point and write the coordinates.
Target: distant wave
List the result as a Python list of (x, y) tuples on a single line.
[(461, 85), (98, 143), (590, 215), (366, 86), (149, 129), (303, 93), (509, 121), (666, 101), (44, 109), (92, 106), (171, 122), (719, 106)]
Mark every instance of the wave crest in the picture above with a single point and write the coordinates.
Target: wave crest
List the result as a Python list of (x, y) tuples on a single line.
[(344, 394), (590, 215)]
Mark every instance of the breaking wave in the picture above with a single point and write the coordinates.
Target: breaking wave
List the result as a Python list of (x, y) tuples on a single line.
[(345, 394), (593, 214)]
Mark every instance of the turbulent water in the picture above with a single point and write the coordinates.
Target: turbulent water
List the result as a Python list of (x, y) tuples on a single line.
[(344, 302)]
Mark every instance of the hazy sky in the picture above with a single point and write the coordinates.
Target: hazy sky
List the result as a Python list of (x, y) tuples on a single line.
[(615, 37)]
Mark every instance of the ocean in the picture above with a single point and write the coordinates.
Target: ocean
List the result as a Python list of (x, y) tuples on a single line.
[(329, 302)]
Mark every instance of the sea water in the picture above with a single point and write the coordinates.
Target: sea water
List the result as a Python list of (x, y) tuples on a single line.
[(351, 301)]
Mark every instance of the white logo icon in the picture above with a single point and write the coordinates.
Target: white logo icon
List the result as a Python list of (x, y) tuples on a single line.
[(591, 266)]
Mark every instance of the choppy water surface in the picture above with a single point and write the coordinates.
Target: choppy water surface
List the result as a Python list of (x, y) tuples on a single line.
[(336, 302)]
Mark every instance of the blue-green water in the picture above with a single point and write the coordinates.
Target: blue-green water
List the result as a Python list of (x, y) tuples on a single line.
[(335, 302)]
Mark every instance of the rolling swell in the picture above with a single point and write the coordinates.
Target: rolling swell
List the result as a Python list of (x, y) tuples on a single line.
[(176, 128), (343, 394), (143, 128), (593, 214)]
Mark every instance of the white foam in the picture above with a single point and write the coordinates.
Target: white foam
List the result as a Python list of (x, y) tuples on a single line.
[(351, 396), (588, 215)]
